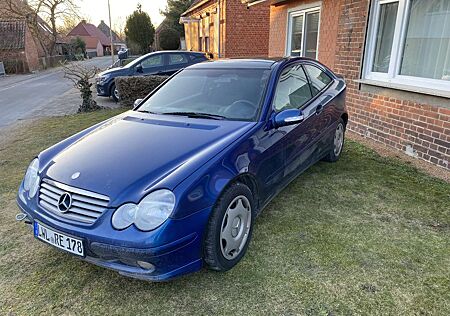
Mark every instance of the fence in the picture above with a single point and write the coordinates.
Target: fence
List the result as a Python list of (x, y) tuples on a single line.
[(15, 66)]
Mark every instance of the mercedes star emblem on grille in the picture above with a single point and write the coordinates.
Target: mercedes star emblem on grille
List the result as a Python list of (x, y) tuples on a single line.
[(64, 202)]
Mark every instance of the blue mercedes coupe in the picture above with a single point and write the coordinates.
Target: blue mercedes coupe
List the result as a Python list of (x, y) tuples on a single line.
[(177, 182)]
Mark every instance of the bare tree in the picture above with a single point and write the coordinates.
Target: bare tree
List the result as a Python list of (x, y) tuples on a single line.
[(81, 76), (69, 23), (51, 11), (119, 27)]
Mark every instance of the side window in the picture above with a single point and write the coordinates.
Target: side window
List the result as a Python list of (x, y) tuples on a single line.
[(153, 61), (319, 79), (292, 89), (197, 58), (177, 59)]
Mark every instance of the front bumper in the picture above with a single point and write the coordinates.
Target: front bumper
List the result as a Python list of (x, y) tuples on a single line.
[(103, 90), (173, 249)]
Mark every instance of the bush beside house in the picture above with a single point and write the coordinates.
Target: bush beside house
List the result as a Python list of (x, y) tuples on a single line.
[(132, 88)]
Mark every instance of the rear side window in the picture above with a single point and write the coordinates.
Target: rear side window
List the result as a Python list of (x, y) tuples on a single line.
[(177, 59), (197, 58), (319, 79), (292, 89)]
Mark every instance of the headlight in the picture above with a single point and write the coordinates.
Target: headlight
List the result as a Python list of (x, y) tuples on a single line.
[(103, 79), (31, 181), (150, 213)]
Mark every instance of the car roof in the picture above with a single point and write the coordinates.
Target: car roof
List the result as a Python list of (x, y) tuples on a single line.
[(253, 63), (176, 51)]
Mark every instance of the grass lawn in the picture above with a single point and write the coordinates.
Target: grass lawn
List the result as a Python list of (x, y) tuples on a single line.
[(367, 235)]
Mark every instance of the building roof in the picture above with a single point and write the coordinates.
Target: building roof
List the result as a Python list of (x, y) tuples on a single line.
[(194, 5), (87, 29), (12, 34), (161, 26), (104, 28)]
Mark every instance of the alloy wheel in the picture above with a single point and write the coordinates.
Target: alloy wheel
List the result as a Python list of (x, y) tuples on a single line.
[(338, 139), (235, 227), (116, 94)]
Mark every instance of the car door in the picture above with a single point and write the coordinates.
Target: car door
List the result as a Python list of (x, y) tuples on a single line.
[(175, 62), (320, 83), (153, 65), (294, 91)]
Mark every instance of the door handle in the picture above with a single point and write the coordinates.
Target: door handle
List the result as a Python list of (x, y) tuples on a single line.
[(319, 108)]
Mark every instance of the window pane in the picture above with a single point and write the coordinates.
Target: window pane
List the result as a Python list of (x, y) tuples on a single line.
[(312, 31), (292, 89), (385, 35), (177, 59), (297, 35), (319, 79), (154, 61), (427, 47)]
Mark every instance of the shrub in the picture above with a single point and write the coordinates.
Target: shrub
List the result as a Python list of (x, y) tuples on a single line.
[(169, 39), (81, 76), (132, 88)]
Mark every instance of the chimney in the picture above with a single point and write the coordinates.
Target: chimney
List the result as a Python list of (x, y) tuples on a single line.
[(83, 21)]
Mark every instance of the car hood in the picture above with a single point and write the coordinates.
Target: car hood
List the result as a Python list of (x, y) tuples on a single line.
[(113, 72), (127, 156)]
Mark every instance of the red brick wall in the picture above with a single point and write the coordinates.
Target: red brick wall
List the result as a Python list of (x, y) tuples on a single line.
[(31, 51), (244, 32), (328, 28), (328, 32), (278, 26), (398, 122), (247, 30)]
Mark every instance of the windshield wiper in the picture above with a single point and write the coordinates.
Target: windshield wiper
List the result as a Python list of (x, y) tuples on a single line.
[(146, 111), (197, 115)]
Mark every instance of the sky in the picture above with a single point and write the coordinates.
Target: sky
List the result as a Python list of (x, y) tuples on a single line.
[(97, 10)]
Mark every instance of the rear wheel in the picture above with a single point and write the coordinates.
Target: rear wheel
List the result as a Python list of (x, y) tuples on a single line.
[(114, 93), (229, 228), (338, 143)]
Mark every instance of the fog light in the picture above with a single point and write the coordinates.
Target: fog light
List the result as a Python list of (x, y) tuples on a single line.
[(146, 265)]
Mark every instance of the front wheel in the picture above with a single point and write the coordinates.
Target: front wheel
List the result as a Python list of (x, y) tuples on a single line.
[(338, 143), (229, 228), (115, 93)]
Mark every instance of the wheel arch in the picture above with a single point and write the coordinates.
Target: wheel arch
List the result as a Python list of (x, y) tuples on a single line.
[(344, 116), (247, 179)]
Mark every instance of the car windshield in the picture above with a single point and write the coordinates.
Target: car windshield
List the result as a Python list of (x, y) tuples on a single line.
[(233, 94)]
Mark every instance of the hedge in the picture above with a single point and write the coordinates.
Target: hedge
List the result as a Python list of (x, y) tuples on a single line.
[(132, 88)]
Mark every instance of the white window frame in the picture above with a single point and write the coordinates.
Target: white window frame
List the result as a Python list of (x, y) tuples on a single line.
[(393, 75), (301, 12)]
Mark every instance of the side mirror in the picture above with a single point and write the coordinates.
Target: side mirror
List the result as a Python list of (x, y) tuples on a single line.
[(139, 68), (136, 103), (288, 117)]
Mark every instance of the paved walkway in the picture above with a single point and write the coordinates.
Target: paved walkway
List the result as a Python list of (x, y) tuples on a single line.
[(46, 93)]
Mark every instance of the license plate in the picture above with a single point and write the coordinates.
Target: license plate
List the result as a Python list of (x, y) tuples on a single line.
[(59, 240)]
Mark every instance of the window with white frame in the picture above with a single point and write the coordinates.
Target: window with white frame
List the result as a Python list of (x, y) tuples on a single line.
[(409, 43), (303, 33)]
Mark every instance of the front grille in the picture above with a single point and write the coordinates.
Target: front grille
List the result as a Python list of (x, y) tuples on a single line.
[(86, 206)]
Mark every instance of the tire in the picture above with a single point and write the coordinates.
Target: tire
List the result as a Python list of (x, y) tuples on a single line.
[(114, 93), (337, 144), (231, 219)]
